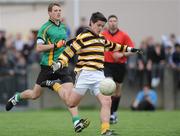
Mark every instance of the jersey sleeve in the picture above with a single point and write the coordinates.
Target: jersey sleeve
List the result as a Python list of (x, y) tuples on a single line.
[(140, 96), (110, 46), (42, 34), (153, 98), (71, 50)]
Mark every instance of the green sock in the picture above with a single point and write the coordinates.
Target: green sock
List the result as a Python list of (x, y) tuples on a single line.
[(75, 119), (17, 97)]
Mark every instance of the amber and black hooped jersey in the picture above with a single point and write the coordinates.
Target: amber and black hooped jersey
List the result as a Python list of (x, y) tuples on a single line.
[(90, 50)]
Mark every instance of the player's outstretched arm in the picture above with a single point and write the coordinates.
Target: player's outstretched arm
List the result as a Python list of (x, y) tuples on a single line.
[(122, 48), (139, 51)]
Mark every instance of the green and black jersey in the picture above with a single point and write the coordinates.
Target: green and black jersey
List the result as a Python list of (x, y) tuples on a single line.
[(51, 33), (90, 49)]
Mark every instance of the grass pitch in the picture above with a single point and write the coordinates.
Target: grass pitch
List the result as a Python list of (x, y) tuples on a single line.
[(58, 123)]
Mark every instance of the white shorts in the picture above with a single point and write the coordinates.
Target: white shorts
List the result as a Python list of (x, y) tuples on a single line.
[(88, 80)]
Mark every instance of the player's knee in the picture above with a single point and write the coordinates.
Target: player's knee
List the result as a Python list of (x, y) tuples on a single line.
[(117, 92), (70, 103), (35, 95), (106, 101)]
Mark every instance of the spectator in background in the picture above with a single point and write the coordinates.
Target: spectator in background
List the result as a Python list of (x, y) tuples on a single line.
[(175, 64), (168, 53), (20, 71), (150, 46), (19, 43), (168, 44), (143, 71), (2, 40), (6, 65), (83, 25), (68, 29), (146, 100), (173, 39), (28, 51), (115, 62), (131, 70), (157, 59)]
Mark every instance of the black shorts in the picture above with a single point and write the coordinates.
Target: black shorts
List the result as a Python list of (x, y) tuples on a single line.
[(115, 70), (46, 73)]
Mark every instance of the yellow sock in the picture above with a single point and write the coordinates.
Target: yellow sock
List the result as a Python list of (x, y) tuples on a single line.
[(56, 87), (104, 127)]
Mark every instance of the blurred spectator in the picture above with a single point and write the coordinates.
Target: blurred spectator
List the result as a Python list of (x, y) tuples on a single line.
[(68, 29), (83, 24), (20, 65), (143, 71), (6, 65), (150, 47), (28, 49), (146, 100), (173, 39), (2, 40), (9, 42), (175, 64), (157, 61), (19, 43), (131, 69), (168, 53), (20, 71)]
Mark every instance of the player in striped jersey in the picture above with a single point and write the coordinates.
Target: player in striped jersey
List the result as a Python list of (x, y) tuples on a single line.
[(90, 47)]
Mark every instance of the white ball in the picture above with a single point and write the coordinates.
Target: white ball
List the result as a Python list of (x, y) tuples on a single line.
[(107, 86)]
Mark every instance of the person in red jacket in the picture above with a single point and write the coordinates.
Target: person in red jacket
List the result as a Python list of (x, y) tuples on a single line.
[(115, 62)]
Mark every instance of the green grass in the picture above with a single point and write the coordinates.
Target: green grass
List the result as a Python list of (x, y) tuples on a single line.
[(58, 123)]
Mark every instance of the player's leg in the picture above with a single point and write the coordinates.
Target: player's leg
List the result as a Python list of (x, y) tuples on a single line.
[(64, 90), (108, 72), (27, 94), (76, 95), (73, 101), (105, 102), (65, 93), (118, 73), (45, 74), (115, 103)]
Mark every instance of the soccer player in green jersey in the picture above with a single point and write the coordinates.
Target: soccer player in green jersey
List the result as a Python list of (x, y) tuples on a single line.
[(51, 42)]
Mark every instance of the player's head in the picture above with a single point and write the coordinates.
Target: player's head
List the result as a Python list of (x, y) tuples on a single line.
[(113, 22), (97, 22), (54, 11), (146, 88)]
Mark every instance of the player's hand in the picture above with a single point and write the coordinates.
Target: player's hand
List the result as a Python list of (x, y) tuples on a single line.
[(56, 65), (60, 43), (139, 51)]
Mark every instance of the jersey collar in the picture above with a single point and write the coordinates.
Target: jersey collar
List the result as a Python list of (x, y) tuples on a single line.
[(55, 23), (114, 33)]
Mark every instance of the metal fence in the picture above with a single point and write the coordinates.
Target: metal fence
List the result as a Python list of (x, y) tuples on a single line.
[(168, 95)]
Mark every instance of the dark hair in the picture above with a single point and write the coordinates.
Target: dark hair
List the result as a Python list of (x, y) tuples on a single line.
[(51, 5), (177, 45), (112, 16), (97, 16)]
